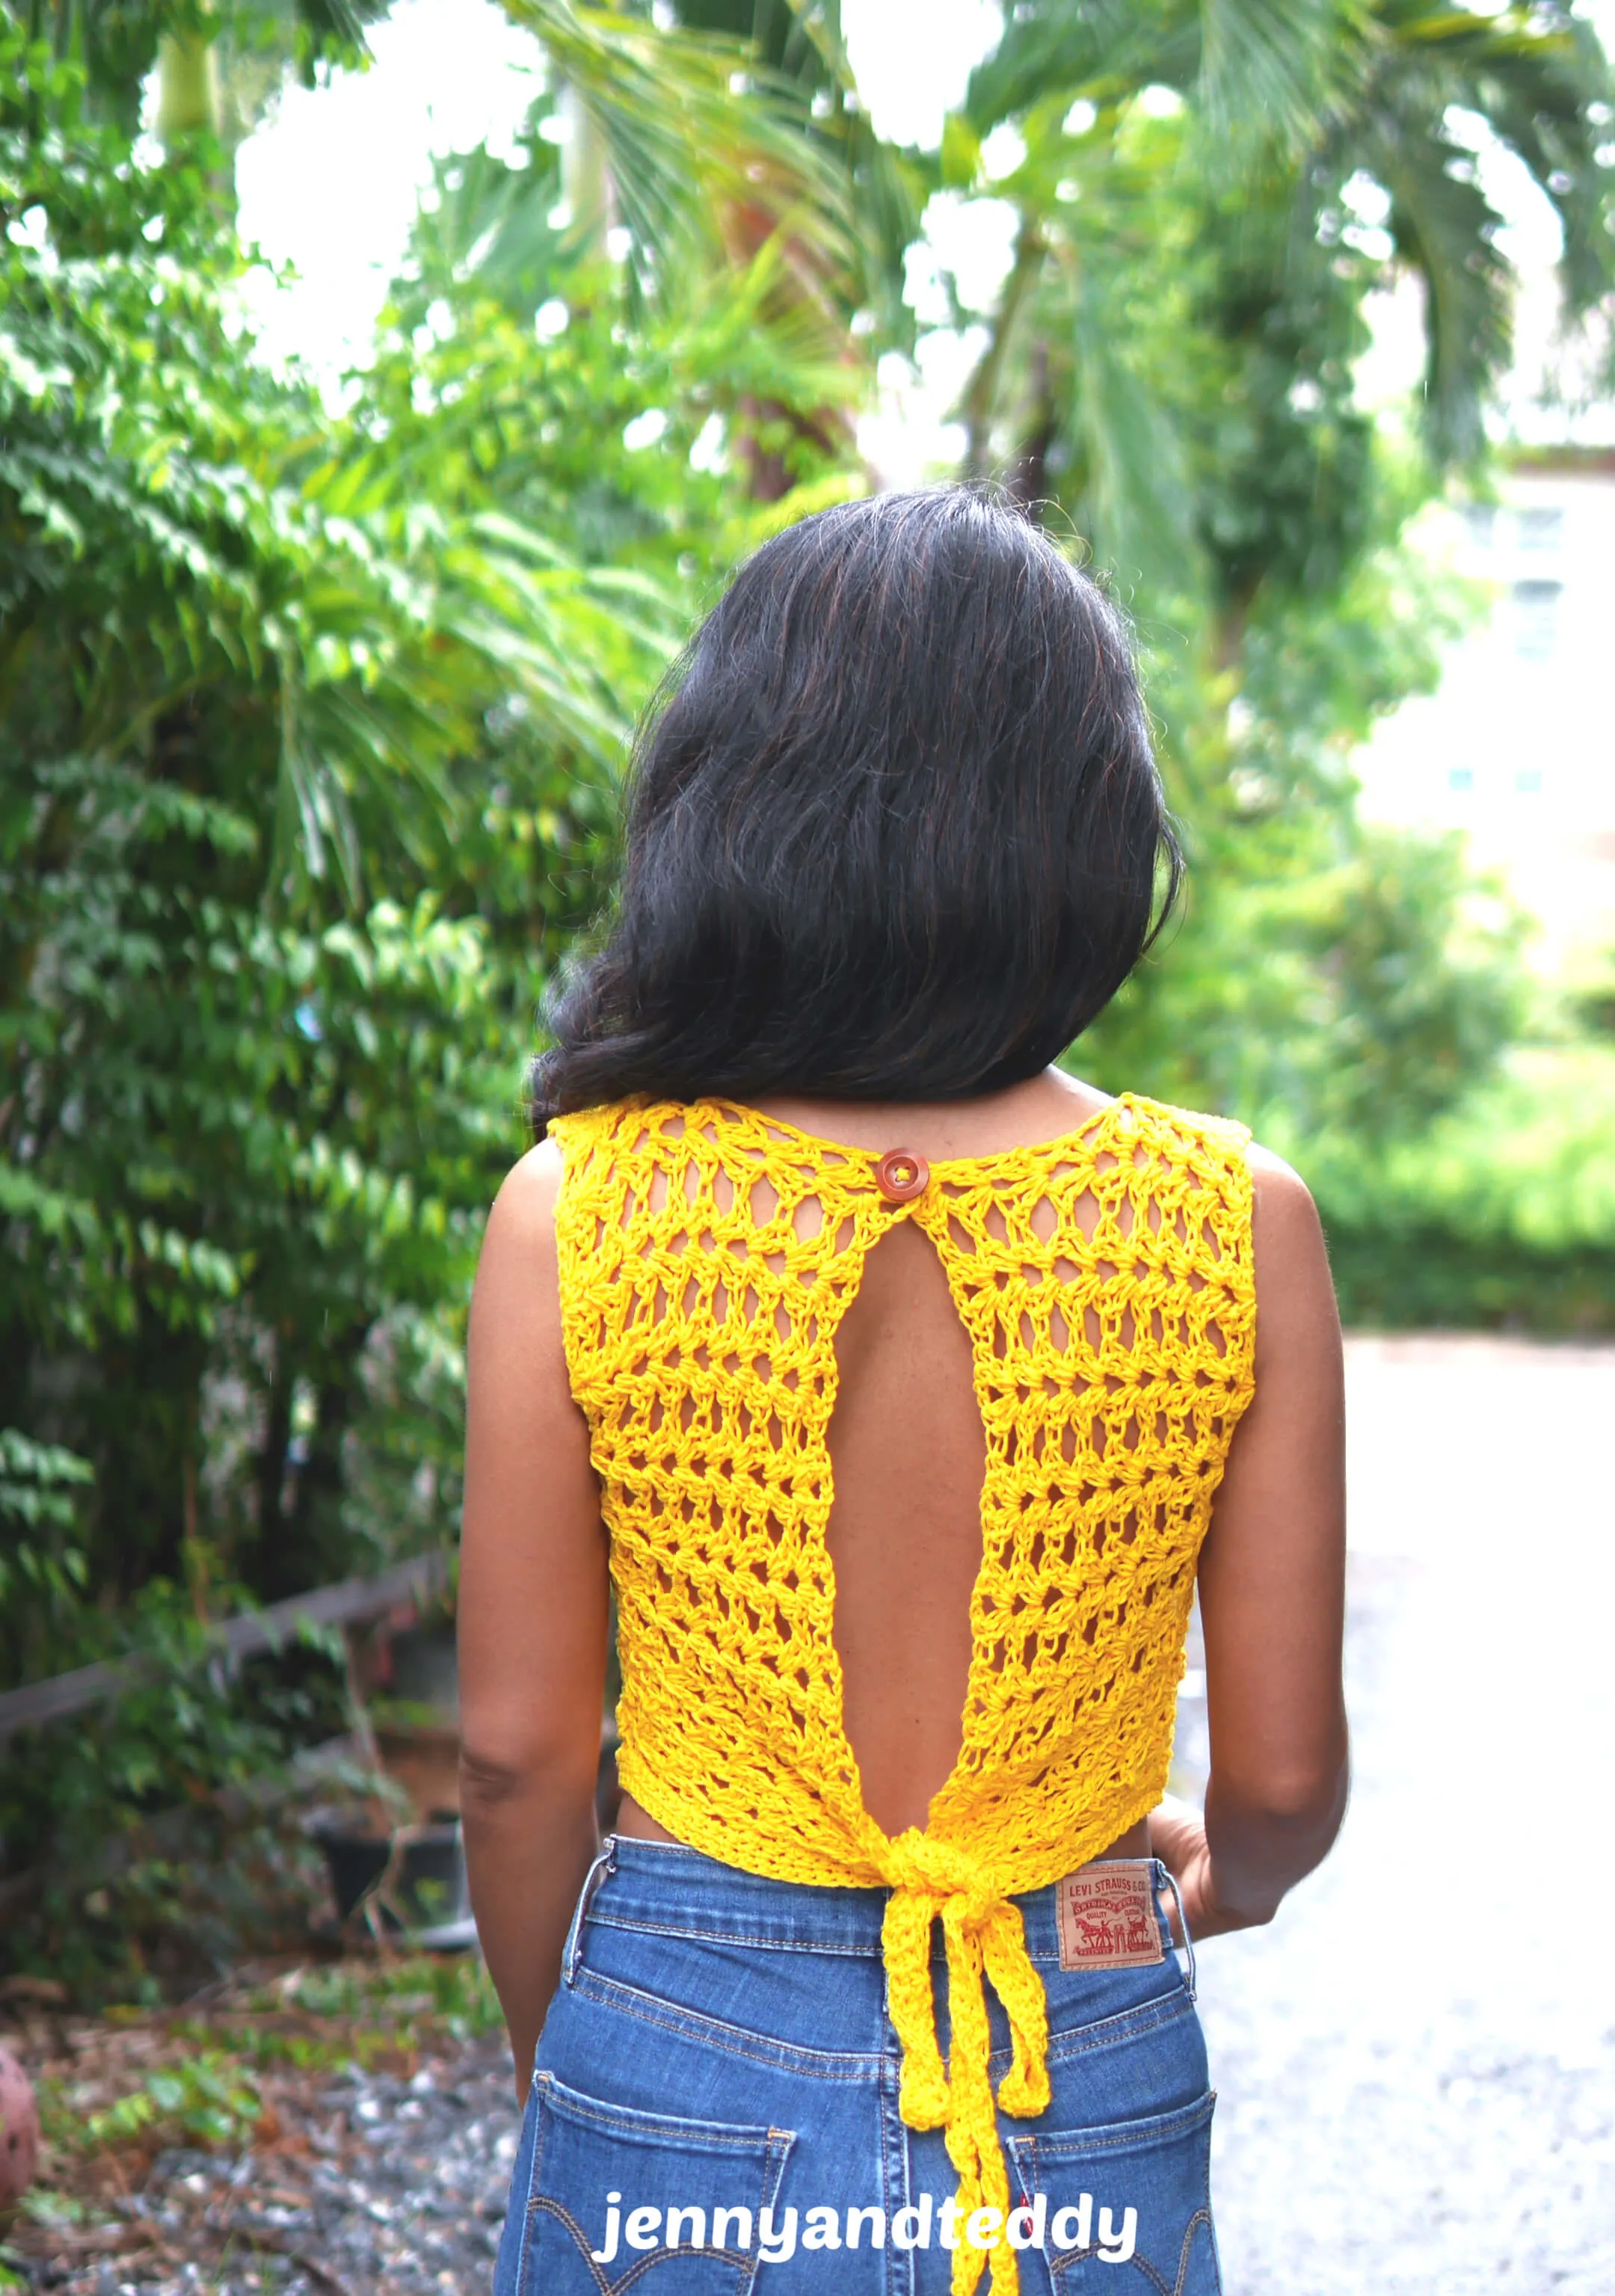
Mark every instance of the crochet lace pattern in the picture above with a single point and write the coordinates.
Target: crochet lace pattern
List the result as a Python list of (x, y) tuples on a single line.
[(707, 1253)]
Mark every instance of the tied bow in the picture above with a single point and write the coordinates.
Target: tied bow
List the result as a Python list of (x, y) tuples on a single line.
[(928, 1881)]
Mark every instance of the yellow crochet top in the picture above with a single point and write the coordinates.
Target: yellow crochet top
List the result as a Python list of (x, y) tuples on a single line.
[(707, 1253)]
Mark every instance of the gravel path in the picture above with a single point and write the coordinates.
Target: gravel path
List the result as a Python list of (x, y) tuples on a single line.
[(383, 2184), (1416, 2063)]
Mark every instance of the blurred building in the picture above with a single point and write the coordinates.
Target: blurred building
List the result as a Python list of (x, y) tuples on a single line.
[(1517, 747)]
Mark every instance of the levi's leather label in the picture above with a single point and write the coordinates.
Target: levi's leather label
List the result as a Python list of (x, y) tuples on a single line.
[(1107, 1916)]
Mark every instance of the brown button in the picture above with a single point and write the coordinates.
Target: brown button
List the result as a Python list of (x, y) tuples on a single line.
[(901, 1175)]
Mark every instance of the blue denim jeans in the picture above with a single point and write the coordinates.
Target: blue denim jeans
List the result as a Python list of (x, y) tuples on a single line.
[(714, 2108)]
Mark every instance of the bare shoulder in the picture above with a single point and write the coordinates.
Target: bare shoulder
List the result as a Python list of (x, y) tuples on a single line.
[(518, 1270), (1285, 1215), (1276, 1183), (523, 1217), (1295, 1293)]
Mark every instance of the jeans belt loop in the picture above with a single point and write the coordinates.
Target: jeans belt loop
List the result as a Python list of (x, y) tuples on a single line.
[(1165, 1879), (605, 1863)]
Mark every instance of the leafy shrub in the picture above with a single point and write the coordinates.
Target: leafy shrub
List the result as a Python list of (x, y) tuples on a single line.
[(209, 2099), (44, 1574), (1501, 1214), (155, 1839)]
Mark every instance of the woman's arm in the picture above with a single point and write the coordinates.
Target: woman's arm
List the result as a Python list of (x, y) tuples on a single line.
[(533, 1611), (1271, 1595)]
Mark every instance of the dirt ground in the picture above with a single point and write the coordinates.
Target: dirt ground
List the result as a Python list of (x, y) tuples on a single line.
[(343, 2130)]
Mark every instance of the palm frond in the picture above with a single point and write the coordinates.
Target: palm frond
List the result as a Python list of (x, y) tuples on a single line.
[(801, 38), (491, 221), (749, 333), (1445, 226), (1541, 80), (1269, 69), (314, 829), (1052, 48), (701, 143), (1135, 498)]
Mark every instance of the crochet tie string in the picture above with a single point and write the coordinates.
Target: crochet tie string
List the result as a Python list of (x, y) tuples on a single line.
[(982, 1932)]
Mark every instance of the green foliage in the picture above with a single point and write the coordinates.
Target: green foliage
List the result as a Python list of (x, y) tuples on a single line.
[(160, 1835), (1502, 1213), (113, 44), (311, 729), (1288, 118), (43, 1576), (1323, 979), (206, 2099), (1380, 990), (1206, 199), (691, 174), (455, 1990)]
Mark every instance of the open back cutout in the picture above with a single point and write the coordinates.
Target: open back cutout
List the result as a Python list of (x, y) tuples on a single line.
[(908, 1454)]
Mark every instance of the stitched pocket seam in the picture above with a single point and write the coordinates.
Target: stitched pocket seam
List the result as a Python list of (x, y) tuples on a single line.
[(695, 2025), (719, 2136), (1105, 2032), (1064, 2144), (637, 1928)]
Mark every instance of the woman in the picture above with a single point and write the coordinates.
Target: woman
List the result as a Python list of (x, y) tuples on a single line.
[(902, 1388)]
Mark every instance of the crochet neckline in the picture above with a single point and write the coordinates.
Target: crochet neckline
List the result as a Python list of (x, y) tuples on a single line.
[(1062, 1144)]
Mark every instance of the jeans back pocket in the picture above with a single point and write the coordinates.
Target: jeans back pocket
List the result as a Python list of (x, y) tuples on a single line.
[(1136, 2194), (617, 2198)]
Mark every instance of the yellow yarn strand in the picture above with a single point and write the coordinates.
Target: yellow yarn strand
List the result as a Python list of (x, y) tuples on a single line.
[(1105, 1281)]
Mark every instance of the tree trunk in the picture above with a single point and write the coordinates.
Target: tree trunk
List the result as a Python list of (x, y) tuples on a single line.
[(981, 392), (1230, 621), (270, 1476), (1027, 479), (586, 176), (188, 97), (307, 1547)]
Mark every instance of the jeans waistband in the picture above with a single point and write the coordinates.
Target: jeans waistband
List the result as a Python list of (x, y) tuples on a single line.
[(680, 1893)]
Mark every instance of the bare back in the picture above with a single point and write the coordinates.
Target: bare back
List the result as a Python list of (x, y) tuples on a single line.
[(907, 1453)]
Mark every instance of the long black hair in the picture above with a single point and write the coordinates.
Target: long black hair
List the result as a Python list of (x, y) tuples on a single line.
[(894, 830)]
